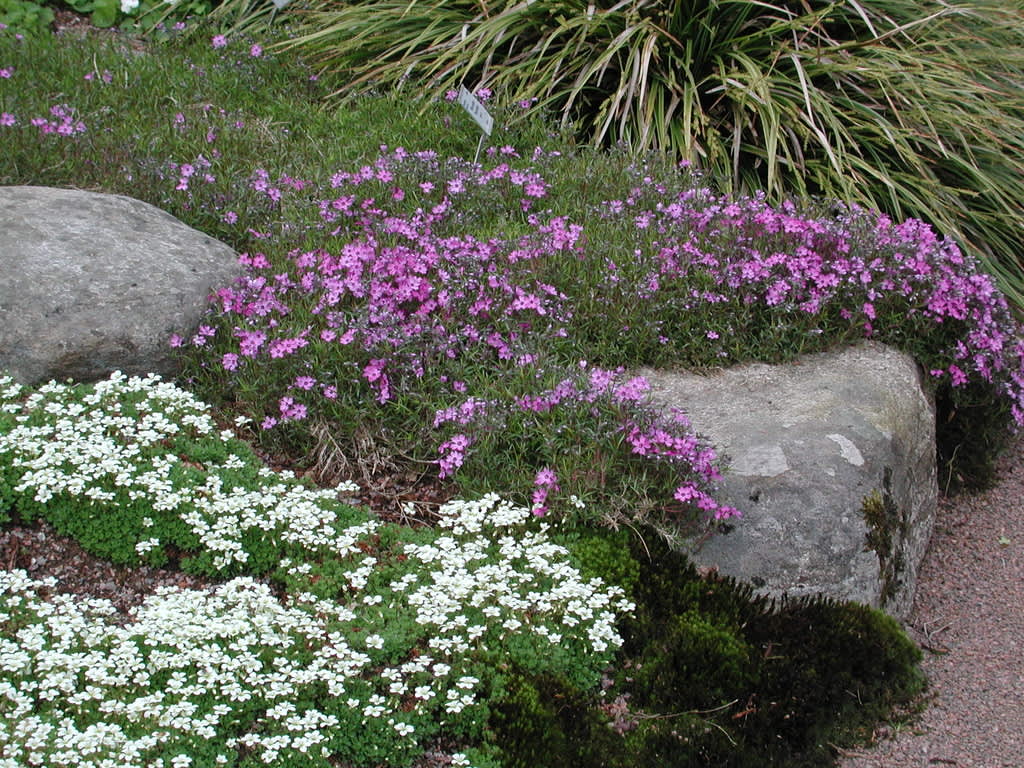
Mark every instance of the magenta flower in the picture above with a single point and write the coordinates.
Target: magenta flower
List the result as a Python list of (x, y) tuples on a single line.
[(285, 347), (546, 477), (251, 341), (291, 410), (219, 41), (453, 454)]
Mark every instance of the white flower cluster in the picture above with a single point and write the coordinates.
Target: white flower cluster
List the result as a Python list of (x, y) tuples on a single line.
[(500, 576), (83, 441), (180, 672), (234, 669), (88, 447)]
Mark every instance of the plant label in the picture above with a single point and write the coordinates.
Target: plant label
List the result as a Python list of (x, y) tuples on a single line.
[(476, 110)]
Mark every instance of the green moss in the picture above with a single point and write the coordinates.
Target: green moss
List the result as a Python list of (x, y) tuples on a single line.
[(887, 527), (539, 721), (606, 555), (711, 674)]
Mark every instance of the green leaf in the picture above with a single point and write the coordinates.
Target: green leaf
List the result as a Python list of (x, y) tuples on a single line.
[(105, 13)]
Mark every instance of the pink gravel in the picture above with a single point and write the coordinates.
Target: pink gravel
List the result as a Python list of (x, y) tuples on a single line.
[(969, 619)]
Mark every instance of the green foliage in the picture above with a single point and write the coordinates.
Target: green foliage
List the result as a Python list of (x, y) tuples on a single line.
[(911, 107), (805, 671), (27, 17), (605, 554), (102, 13), (538, 721), (712, 675), (971, 433)]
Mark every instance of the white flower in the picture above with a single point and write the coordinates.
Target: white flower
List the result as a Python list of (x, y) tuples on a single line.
[(404, 729)]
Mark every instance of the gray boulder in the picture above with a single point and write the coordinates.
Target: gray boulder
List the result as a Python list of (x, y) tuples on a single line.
[(831, 459), (93, 283)]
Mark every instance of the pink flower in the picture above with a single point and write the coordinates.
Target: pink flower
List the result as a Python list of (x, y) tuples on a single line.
[(256, 51), (6, 118), (284, 347), (291, 410), (546, 478), (251, 341), (453, 454), (539, 497), (229, 361), (219, 41)]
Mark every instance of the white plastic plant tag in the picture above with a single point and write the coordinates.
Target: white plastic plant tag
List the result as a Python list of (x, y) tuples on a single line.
[(476, 110)]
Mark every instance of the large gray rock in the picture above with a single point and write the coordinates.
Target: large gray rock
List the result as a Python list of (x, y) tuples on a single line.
[(93, 283), (831, 459)]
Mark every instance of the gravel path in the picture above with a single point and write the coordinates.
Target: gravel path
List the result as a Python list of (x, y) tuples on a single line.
[(969, 616)]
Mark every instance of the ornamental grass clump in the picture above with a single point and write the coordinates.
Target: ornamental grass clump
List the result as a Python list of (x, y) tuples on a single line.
[(387, 636)]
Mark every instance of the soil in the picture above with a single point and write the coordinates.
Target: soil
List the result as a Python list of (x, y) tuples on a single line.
[(968, 617)]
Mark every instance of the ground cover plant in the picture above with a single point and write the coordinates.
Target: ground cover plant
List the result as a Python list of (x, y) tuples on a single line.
[(388, 633), (411, 312), (910, 107), (334, 636)]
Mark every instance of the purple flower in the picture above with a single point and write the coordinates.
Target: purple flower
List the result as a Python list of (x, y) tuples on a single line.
[(251, 341), (453, 454), (285, 347), (219, 41), (291, 410), (546, 478), (255, 51)]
